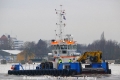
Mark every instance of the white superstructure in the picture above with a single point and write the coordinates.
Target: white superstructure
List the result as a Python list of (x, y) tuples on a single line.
[(65, 47)]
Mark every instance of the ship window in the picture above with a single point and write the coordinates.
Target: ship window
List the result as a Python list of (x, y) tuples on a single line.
[(74, 47), (70, 46), (55, 52), (54, 47), (58, 47), (64, 52), (63, 46)]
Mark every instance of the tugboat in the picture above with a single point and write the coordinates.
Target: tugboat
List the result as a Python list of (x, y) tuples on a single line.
[(66, 61)]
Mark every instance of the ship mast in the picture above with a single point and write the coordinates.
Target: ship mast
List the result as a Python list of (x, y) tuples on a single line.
[(61, 14)]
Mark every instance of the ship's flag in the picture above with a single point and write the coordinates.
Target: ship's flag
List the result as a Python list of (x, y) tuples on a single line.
[(64, 18)]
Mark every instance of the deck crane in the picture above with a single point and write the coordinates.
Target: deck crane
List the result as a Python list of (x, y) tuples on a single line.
[(93, 56)]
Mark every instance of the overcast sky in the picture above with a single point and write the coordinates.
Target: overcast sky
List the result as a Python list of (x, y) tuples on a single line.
[(31, 20)]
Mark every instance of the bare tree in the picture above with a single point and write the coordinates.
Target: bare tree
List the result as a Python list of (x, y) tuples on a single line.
[(29, 48)]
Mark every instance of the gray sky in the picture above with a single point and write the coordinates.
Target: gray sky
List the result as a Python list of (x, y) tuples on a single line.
[(31, 20)]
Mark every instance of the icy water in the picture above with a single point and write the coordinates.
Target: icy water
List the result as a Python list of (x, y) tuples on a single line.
[(115, 75)]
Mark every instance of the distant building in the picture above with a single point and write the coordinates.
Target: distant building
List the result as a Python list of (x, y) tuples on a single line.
[(4, 42), (9, 55), (16, 44), (7, 42)]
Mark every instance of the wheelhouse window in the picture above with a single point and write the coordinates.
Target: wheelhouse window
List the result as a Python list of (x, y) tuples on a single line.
[(57, 47), (64, 51), (70, 46), (63, 46), (74, 46), (54, 47)]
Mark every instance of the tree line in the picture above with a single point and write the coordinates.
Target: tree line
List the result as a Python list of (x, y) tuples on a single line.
[(39, 49), (109, 48)]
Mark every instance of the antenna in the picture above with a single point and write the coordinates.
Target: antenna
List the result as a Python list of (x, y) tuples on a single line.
[(55, 34), (61, 14)]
